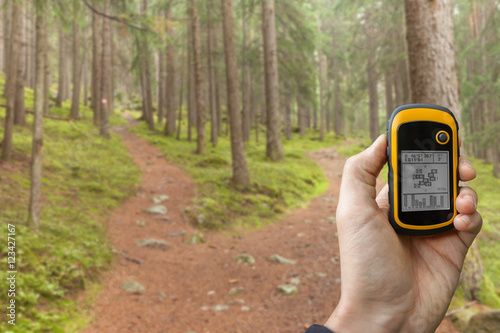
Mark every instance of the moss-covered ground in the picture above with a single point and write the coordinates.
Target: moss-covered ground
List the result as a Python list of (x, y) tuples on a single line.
[(84, 177)]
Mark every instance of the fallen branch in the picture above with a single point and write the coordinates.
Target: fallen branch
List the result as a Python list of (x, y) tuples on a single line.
[(468, 305), (137, 261)]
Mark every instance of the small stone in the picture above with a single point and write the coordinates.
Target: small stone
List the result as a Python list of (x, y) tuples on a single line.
[(151, 242), (159, 209), (160, 198), (141, 223), (337, 280), (295, 281), (162, 294), (236, 290), (244, 259), (307, 221), (179, 233), (461, 318), (301, 234), (132, 287), (287, 289), (164, 218), (245, 308), (196, 238), (332, 219), (335, 259), (149, 162), (321, 275), (220, 307), (201, 219), (211, 292), (281, 260), (205, 308)]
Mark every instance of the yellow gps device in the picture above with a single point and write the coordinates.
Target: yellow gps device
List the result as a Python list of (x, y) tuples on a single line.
[(422, 151)]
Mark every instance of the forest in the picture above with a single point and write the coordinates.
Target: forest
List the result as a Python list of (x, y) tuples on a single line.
[(234, 116)]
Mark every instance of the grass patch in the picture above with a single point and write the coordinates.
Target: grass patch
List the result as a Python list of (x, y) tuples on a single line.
[(275, 187), (84, 177)]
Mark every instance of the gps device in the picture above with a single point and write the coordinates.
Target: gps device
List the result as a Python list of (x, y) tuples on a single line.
[(423, 151)]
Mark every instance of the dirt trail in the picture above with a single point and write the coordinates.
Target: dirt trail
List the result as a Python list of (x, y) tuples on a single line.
[(189, 288)]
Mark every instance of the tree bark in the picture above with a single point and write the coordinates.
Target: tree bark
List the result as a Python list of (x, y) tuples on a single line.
[(429, 33), (240, 170), (61, 82), (336, 88), (322, 97), (274, 144), (198, 82), (36, 153), (246, 91), (10, 92), (161, 85), (19, 111), (96, 69), (170, 86), (77, 74), (389, 101), (105, 70), (214, 132)]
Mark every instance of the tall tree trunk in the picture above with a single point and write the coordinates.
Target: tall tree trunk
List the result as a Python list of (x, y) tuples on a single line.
[(19, 111), (429, 33), (322, 96), (77, 75), (336, 88), (274, 144), (46, 69), (106, 68), (198, 82), (433, 77), (10, 92), (288, 117), (7, 22), (36, 153), (147, 95), (161, 84), (61, 83), (246, 92), (214, 133), (96, 69), (191, 95), (170, 96), (240, 170), (389, 102)]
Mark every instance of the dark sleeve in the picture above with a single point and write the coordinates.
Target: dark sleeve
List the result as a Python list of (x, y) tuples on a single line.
[(318, 329)]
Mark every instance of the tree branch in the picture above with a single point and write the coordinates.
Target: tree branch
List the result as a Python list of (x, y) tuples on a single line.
[(114, 18)]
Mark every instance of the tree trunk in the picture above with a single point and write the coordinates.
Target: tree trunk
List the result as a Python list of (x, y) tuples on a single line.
[(170, 86), (161, 85), (336, 88), (75, 97), (198, 82), (429, 33), (288, 117), (433, 77), (389, 103), (61, 83), (10, 92), (214, 132), (96, 69), (274, 145), (19, 111), (240, 170), (246, 91), (105, 70), (322, 97), (7, 22), (36, 153), (46, 70)]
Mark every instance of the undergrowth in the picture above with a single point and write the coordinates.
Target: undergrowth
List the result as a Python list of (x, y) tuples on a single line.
[(84, 177)]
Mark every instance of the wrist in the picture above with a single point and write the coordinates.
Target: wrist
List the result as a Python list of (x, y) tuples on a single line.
[(354, 318)]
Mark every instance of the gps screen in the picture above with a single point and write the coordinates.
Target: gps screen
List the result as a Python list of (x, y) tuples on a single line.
[(424, 180)]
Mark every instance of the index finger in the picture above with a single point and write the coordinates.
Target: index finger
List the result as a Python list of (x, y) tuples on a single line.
[(466, 170)]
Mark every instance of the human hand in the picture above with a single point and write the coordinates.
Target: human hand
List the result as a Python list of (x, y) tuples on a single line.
[(391, 282)]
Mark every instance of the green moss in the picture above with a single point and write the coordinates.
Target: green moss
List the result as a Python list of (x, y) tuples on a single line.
[(84, 177), (274, 188)]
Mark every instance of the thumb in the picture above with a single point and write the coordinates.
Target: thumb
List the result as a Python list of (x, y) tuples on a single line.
[(360, 177)]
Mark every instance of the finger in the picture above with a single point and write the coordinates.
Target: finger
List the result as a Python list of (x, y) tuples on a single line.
[(467, 200), (468, 226), (361, 171), (383, 198), (466, 170)]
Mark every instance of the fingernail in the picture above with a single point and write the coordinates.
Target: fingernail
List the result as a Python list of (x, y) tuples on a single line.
[(471, 199)]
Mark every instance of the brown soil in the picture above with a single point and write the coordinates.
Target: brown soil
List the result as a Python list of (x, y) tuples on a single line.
[(185, 282)]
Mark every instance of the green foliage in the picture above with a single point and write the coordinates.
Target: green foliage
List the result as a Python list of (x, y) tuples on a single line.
[(487, 187), (84, 177), (274, 187)]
